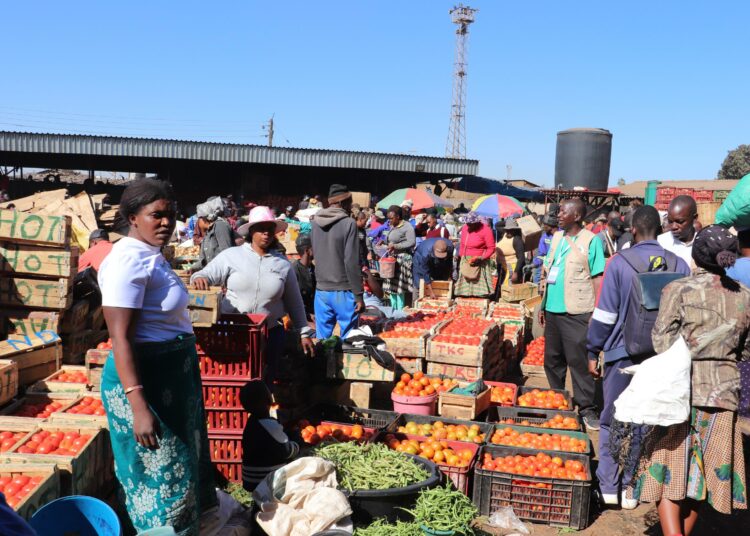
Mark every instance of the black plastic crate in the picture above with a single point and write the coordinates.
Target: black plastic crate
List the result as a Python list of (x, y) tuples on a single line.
[(404, 418), (378, 419), (548, 500), (535, 417), (568, 398)]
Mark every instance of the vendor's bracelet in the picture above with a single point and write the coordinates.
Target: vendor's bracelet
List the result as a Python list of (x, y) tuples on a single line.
[(134, 388)]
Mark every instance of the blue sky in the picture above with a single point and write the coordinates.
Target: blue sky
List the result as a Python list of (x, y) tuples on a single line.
[(668, 78)]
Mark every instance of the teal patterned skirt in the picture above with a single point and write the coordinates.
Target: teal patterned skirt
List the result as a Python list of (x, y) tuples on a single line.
[(171, 485)]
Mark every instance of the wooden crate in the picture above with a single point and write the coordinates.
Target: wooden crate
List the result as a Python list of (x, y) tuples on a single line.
[(88, 473), (520, 292), (29, 228), (7, 413), (707, 212), (75, 346), (30, 322), (465, 407), (205, 306), (443, 289), (407, 347), (488, 371), (351, 366), (184, 275), (409, 365), (75, 319), (50, 385), (37, 355), (502, 311), (46, 491), (37, 293), (95, 360), (63, 417), (464, 354), (533, 371), (38, 261), (8, 380), (530, 305), (430, 305)]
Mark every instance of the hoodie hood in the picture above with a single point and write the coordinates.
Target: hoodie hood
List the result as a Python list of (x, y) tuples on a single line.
[(328, 216)]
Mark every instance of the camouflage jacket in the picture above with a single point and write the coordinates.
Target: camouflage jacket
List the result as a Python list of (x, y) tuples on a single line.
[(714, 321)]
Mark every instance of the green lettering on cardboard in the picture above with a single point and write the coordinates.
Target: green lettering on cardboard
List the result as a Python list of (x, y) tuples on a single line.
[(27, 233), (55, 222), (20, 287), (59, 260), (32, 263), (12, 221), (46, 288)]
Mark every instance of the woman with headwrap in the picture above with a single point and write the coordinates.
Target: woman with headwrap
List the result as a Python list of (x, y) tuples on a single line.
[(477, 265), (217, 232), (701, 460)]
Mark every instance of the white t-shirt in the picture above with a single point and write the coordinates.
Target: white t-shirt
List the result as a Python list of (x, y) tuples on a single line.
[(135, 275), (679, 248)]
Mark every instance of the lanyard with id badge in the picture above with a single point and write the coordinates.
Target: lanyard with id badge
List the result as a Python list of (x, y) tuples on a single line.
[(554, 270)]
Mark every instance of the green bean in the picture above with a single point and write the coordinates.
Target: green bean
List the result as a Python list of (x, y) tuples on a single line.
[(371, 466), (444, 509), (381, 528)]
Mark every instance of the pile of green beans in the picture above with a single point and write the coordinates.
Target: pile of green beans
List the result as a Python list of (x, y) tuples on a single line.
[(381, 528), (444, 509), (372, 466)]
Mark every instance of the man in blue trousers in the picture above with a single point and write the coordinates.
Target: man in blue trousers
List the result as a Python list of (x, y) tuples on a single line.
[(335, 243), (606, 335)]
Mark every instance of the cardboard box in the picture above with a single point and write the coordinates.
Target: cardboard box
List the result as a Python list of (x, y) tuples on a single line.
[(530, 231), (204, 306), (30, 228), (352, 366), (33, 260)]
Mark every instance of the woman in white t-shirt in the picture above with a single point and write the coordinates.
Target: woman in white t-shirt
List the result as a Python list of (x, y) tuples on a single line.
[(151, 385)]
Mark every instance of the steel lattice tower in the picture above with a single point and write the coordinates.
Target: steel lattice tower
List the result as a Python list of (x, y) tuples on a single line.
[(462, 16)]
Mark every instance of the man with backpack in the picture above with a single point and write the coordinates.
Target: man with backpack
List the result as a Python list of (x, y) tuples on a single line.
[(621, 326)]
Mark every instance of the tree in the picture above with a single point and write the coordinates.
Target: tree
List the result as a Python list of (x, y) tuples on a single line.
[(737, 164)]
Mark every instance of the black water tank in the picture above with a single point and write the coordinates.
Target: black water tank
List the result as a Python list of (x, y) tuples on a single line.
[(582, 158)]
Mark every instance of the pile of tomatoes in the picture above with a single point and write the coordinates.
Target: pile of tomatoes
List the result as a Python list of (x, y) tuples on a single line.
[(40, 410), (58, 443), (536, 398), (439, 452), (8, 439), (513, 438), (16, 487), (421, 385), (413, 326), (539, 465), (442, 431), (503, 395), (535, 353), (463, 330), (510, 331), (88, 405), (75, 376), (332, 432), (558, 421), (507, 312), (105, 345)]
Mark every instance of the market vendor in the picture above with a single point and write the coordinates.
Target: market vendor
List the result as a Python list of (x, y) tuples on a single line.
[(216, 231), (99, 248), (151, 388), (510, 252), (477, 265), (433, 260), (401, 242), (258, 280)]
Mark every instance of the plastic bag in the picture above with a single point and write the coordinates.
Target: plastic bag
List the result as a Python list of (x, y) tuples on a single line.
[(735, 210), (659, 394), (228, 518), (505, 518)]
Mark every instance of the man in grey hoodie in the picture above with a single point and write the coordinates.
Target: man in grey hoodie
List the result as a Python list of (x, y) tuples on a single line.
[(339, 294)]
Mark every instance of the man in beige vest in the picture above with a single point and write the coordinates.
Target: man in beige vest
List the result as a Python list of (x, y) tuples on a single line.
[(573, 269)]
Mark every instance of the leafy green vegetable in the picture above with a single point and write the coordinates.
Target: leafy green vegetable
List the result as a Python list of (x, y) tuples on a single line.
[(444, 509)]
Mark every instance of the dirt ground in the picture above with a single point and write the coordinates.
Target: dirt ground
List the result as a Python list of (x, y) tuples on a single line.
[(644, 520)]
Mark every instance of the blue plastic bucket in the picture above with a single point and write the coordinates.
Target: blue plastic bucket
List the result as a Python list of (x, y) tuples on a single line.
[(78, 514)]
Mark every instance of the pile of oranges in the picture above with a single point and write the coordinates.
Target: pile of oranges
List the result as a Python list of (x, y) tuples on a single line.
[(536, 398), (535, 353), (503, 395), (8, 439), (442, 431), (42, 410), (513, 438), (17, 486), (439, 452), (330, 432), (87, 406), (539, 465), (421, 385), (558, 421), (75, 376), (58, 443)]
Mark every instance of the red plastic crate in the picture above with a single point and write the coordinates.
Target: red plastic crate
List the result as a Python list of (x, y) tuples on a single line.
[(460, 476), (222, 394), (233, 348), (226, 420), (226, 455), (503, 384)]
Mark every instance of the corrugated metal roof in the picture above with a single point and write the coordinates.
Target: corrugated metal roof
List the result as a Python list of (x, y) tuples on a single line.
[(27, 142)]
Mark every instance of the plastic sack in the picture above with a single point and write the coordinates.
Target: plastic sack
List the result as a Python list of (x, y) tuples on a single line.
[(505, 518), (735, 210), (659, 394)]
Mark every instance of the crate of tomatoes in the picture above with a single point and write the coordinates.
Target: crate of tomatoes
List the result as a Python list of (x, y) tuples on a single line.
[(35, 408), (86, 409), (534, 397), (511, 435), (407, 337), (81, 452), (441, 428), (538, 418), (455, 459), (29, 486), (502, 394), (464, 341), (533, 362), (224, 411), (377, 419), (541, 486), (69, 379)]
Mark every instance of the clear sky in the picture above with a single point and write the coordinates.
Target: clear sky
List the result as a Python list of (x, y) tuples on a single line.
[(669, 78)]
